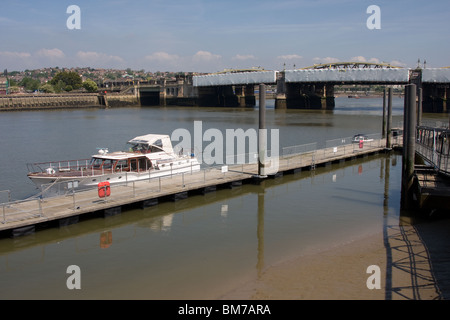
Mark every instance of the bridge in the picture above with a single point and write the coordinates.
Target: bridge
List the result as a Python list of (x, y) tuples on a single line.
[(231, 88), (432, 180), (313, 87)]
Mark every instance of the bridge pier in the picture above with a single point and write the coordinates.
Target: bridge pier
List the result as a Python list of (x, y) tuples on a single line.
[(245, 95), (250, 98), (409, 146), (309, 96), (218, 96)]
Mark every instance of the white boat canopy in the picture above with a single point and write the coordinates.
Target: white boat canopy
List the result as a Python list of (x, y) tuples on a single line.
[(162, 142)]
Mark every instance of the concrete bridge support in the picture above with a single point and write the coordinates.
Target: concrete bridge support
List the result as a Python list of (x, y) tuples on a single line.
[(309, 96), (250, 98), (435, 97), (245, 95), (219, 96)]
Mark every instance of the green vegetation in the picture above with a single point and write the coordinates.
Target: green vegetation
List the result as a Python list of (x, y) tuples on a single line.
[(47, 88), (66, 80), (30, 84), (90, 86)]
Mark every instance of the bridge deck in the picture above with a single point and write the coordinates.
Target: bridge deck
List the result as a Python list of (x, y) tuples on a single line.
[(19, 214)]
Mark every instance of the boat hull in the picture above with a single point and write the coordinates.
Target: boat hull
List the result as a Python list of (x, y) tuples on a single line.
[(76, 181)]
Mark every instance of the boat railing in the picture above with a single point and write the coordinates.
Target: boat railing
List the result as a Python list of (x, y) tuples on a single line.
[(59, 166), (149, 184)]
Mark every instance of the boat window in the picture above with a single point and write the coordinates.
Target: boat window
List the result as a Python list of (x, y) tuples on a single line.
[(155, 149), (96, 163), (107, 164), (122, 165), (133, 163), (139, 148)]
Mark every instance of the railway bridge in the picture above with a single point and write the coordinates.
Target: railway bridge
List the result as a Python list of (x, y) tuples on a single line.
[(313, 87)]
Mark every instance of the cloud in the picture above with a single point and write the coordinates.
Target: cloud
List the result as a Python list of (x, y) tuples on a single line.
[(325, 60), (243, 57), (15, 60), (397, 63), (162, 57), (51, 53), (205, 56), (363, 59), (9, 54), (98, 59), (289, 57)]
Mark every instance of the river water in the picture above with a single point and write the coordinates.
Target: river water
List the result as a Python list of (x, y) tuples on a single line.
[(204, 246)]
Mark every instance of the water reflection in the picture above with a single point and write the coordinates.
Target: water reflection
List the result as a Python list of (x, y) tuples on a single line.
[(260, 228), (204, 245)]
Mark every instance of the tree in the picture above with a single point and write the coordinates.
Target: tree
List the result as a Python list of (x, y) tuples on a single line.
[(71, 79), (59, 86), (30, 84), (47, 88), (90, 86)]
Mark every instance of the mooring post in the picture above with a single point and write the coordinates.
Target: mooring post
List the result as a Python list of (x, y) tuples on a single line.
[(383, 129), (409, 145), (419, 106), (262, 132), (389, 120)]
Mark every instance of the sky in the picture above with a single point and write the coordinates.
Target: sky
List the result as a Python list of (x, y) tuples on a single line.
[(211, 35)]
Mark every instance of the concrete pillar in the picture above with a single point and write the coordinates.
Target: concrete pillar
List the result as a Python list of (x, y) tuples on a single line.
[(250, 99), (262, 132), (389, 120), (383, 127), (239, 91), (419, 106), (409, 145), (444, 100)]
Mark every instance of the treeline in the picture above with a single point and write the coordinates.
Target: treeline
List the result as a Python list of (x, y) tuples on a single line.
[(64, 81)]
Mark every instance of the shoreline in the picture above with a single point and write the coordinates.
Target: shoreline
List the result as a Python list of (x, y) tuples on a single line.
[(340, 272)]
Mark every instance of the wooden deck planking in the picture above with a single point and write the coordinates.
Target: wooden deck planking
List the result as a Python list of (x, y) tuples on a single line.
[(31, 212)]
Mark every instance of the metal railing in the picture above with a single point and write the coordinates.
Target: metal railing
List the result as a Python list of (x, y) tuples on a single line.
[(59, 196), (433, 144)]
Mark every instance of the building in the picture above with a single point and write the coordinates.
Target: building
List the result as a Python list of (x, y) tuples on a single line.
[(3, 85)]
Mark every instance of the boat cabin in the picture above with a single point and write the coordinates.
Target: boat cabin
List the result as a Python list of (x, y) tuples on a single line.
[(118, 163), (151, 143)]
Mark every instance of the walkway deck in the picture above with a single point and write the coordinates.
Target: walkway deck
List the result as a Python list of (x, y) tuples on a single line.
[(22, 216), (432, 181)]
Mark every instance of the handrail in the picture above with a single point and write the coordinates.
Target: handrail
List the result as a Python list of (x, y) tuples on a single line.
[(433, 144), (307, 155)]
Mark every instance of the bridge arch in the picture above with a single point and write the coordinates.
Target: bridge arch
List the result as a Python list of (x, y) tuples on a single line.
[(351, 65)]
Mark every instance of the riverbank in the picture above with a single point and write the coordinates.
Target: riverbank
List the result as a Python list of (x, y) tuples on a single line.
[(340, 273), (37, 102)]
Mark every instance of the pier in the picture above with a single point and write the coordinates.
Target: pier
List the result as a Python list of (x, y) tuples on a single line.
[(432, 181), (69, 206)]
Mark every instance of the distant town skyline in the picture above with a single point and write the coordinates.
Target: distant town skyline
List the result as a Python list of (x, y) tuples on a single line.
[(209, 36)]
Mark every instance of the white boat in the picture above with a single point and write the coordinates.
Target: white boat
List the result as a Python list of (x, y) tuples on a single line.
[(361, 137), (149, 156)]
